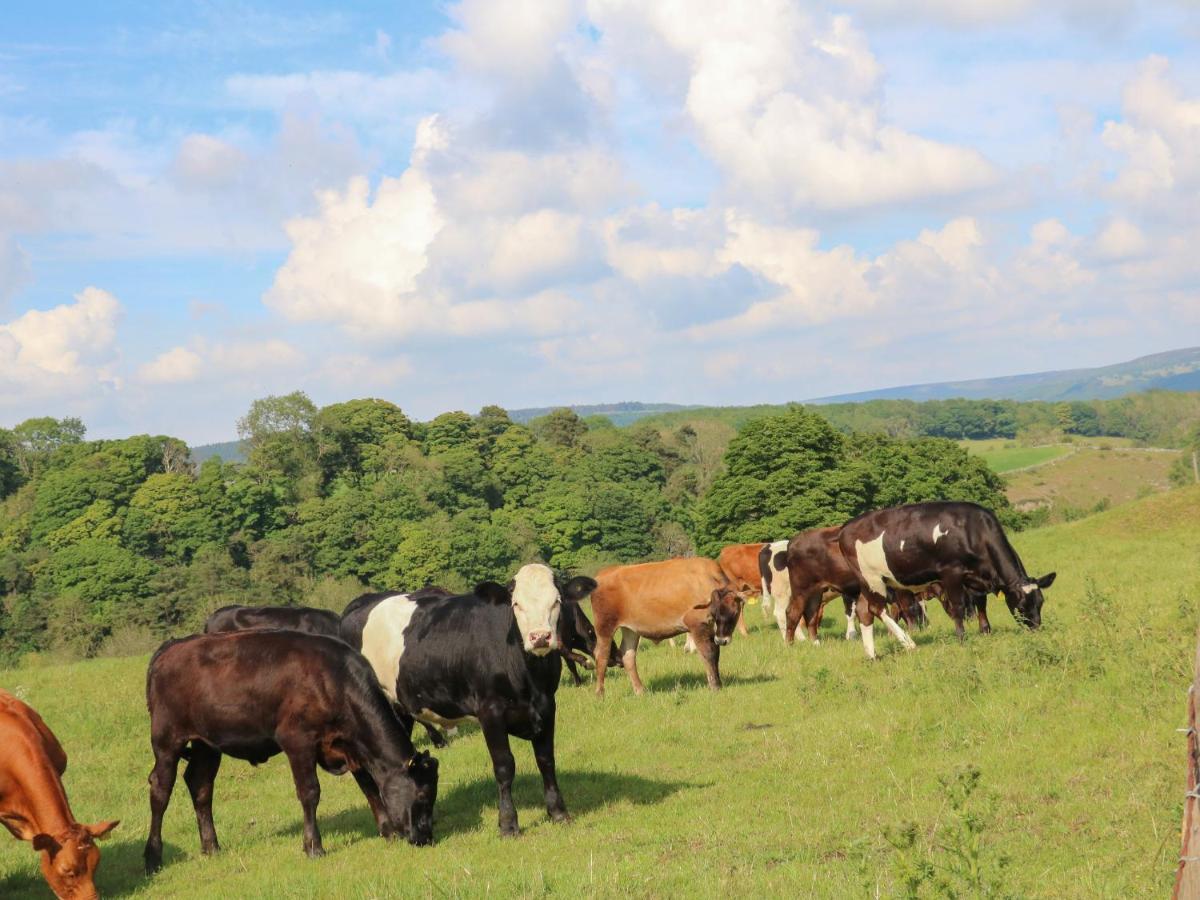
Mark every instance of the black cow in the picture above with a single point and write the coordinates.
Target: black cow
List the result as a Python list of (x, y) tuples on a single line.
[(960, 545), (253, 694), (578, 637), (291, 618), (487, 656)]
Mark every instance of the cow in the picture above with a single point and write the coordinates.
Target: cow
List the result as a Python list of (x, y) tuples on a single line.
[(817, 572), (578, 638), (658, 600), (292, 618), (739, 562), (488, 655), (34, 806), (254, 694), (960, 545)]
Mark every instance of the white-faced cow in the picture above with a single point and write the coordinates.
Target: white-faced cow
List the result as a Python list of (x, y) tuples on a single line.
[(962, 546), (489, 656)]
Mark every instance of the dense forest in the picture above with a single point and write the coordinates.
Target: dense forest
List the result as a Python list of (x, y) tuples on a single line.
[(106, 546)]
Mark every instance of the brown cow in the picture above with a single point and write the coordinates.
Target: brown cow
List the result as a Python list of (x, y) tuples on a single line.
[(658, 600), (818, 572), (740, 563), (33, 803)]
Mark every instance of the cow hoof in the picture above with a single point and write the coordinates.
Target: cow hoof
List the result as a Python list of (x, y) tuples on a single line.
[(512, 832), (315, 852), (816, 643), (562, 818)]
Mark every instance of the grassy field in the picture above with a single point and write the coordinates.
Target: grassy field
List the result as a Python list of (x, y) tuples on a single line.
[(1002, 455), (785, 783)]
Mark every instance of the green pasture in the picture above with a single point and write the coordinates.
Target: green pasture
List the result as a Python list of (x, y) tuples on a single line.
[(787, 783), (1004, 456)]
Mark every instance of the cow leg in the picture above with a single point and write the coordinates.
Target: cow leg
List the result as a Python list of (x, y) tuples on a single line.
[(866, 619), (793, 616), (435, 736), (200, 774), (543, 753), (308, 791), (985, 627), (812, 614), (711, 654), (495, 732), (604, 645), (897, 632), (952, 593), (573, 669), (629, 644), (848, 603), (162, 781), (371, 791)]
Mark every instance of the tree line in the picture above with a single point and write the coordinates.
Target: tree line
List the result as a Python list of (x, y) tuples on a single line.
[(108, 545)]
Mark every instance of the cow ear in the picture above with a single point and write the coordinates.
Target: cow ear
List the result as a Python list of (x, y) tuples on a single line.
[(1046, 580), (493, 592), (46, 842), (578, 588), (102, 829)]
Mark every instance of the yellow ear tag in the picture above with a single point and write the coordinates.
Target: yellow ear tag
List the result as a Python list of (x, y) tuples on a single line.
[(752, 600)]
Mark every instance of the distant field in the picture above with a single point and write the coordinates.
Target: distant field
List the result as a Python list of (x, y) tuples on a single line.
[(783, 784), (1005, 456)]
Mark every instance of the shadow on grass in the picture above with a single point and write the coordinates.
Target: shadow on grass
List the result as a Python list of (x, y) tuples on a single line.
[(460, 808), (696, 680), (122, 871)]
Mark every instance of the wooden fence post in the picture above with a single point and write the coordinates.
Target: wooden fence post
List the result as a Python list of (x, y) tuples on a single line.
[(1187, 877)]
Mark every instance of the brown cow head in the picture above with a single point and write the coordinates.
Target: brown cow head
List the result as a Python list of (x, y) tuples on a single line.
[(70, 858), (724, 607), (409, 797)]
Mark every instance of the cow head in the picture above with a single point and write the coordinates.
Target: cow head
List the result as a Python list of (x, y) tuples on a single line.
[(536, 602), (724, 607), (409, 797), (1025, 600), (70, 858)]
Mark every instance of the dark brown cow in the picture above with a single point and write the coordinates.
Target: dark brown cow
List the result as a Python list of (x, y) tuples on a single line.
[(818, 572), (658, 600), (254, 694), (290, 618), (33, 802), (961, 546)]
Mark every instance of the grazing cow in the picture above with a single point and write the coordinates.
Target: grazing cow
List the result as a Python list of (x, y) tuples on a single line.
[(290, 618), (253, 694), (739, 562), (578, 638), (658, 600), (34, 807), (487, 656), (962, 546), (817, 572)]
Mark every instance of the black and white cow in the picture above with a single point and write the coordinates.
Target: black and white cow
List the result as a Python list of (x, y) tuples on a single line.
[(960, 545), (489, 656)]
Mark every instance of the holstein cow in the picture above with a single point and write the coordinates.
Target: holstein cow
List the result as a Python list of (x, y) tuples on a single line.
[(960, 545), (34, 807), (739, 562), (291, 618), (254, 694), (658, 600), (487, 656)]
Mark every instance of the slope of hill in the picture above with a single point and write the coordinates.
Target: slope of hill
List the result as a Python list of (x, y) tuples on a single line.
[(786, 783), (229, 451), (621, 414), (1174, 370)]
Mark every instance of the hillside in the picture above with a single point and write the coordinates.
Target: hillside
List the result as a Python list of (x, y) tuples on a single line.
[(785, 783), (1174, 370)]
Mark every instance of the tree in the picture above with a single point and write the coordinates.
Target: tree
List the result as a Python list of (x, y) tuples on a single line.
[(449, 431), (277, 431), (346, 433), (560, 428), (36, 440)]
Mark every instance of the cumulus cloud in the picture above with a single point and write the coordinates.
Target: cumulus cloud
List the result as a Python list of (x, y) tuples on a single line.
[(218, 361), (69, 347), (786, 103)]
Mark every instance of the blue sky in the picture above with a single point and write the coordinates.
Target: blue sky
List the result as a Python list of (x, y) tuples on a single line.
[(561, 201)]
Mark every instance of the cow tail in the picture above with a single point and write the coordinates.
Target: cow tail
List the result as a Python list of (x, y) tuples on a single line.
[(764, 570)]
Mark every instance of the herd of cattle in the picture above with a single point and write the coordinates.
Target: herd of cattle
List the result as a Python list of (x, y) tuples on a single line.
[(344, 692)]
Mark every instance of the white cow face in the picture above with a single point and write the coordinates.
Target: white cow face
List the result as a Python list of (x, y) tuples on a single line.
[(536, 604)]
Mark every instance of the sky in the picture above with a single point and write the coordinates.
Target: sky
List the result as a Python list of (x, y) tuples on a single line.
[(543, 202)]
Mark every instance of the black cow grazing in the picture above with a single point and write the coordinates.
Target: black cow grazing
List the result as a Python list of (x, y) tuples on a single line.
[(960, 545), (291, 618), (578, 637), (487, 656), (253, 694)]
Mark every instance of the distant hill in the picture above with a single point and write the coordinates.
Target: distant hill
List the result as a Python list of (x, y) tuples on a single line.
[(229, 451), (621, 414), (1175, 370)]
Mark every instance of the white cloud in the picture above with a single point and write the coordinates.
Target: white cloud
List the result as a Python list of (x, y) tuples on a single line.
[(14, 268), (209, 361), (68, 348), (176, 365), (786, 103)]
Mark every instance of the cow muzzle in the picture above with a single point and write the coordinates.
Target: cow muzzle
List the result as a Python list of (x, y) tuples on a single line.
[(539, 642), (721, 641)]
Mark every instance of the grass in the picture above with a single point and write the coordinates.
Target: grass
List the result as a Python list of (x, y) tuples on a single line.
[(787, 782), (1004, 456)]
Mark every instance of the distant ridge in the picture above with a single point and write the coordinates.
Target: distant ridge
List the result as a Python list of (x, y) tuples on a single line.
[(1174, 370), (621, 414)]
